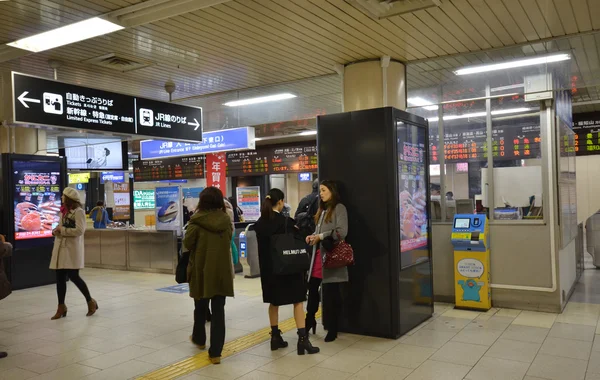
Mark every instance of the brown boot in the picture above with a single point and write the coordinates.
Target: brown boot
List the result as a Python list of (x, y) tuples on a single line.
[(92, 307), (61, 312)]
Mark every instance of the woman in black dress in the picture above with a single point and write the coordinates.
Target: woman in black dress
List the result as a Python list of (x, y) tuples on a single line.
[(280, 290)]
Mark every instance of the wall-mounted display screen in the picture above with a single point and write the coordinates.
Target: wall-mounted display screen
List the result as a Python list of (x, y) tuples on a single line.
[(412, 183), (95, 154), (36, 198), (462, 223)]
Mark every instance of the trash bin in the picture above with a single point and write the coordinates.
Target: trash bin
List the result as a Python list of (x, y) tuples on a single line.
[(592, 238), (249, 252)]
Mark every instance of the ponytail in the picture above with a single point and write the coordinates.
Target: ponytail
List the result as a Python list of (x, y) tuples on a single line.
[(273, 197)]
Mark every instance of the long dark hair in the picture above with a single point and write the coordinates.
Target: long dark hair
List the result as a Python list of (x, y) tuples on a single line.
[(273, 197), (328, 207), (211, 198), (72, 204)]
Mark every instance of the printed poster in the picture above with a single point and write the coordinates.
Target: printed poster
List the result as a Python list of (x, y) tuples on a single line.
[(191, 197), (169, 211), (248, 199), (122, 199)]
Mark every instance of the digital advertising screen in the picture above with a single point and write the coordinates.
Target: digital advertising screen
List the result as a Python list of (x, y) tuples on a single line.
[(94, 154), (36, 198), (412, 191)]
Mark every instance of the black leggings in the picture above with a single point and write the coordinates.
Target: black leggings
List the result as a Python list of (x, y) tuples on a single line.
[(332, 304), (61, 284), (314, 297)]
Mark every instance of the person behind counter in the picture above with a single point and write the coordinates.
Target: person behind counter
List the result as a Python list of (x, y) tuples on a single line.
[(210, 270), (68, 252), (279, 290), (5, 288), (100, 216), (332, 221)]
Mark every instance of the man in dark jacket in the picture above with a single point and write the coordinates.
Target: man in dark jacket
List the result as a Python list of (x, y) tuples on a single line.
[(306, 211), (5, 288)]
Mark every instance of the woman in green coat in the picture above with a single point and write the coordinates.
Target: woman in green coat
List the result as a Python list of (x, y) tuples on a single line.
[(210, 270)]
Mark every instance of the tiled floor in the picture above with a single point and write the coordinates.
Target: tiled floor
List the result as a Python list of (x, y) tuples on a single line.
[(139, 329)]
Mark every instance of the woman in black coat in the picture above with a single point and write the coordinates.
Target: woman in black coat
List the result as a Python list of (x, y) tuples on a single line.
[(279, 290)]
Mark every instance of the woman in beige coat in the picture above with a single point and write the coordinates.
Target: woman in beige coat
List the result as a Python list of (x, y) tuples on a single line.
[(67, 254)]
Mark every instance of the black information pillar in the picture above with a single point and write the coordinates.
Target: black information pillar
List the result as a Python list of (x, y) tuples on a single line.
[(379, 158)]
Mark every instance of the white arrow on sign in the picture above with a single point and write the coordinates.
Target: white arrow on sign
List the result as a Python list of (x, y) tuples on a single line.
[(196, 124), (23, 99)]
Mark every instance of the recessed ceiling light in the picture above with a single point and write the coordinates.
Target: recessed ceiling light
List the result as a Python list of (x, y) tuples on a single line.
[(420, 102), (513, 64), (65, 35), (482, 114), (261, 99)]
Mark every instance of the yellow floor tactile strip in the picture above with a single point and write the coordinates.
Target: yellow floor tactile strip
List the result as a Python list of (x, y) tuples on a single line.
[(201, 360)]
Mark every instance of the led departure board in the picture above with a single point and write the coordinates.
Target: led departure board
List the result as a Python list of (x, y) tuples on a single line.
[(280, 159), (253, 162), (587, 133), (169, 169), (469, 143)]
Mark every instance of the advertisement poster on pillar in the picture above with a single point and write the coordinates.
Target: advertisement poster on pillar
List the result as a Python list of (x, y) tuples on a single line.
[(168, 120), (122, 200), (216, 167), (169, 211), (412, 191), (37, 199)]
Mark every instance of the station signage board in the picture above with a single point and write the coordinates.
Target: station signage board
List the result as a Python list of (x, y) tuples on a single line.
[(115, 177), (79, 178), (212, 142), (47, 102)]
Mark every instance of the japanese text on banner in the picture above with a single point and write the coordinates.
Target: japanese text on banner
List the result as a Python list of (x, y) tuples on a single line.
[(216, 166)]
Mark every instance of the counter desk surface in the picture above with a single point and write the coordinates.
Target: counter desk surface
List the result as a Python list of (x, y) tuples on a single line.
[(128, 249)]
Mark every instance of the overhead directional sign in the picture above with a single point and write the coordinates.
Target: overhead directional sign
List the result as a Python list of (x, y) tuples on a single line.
[(214, 141), (47, 102), (160, 119)]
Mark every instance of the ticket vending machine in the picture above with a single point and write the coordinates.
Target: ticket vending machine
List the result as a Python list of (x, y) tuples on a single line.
[(471, 240)]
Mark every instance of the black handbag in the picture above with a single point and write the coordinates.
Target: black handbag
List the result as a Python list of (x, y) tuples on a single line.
[(289, 254), (181, 271)]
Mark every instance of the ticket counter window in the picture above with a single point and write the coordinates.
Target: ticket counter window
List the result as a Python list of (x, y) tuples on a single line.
[(517, 155)]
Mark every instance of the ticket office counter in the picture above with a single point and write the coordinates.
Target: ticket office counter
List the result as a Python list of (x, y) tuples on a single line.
[(141, 251)]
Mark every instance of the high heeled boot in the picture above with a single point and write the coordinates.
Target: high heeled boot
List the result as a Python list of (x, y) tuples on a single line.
[(61, 312), (92, 307), (277, 341), (304, 345)]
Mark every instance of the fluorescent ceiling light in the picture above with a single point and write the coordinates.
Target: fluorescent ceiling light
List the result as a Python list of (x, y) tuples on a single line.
[(513, 64), (481, 114), (308, 133), (65, 35), (261, 99), (420, 102)]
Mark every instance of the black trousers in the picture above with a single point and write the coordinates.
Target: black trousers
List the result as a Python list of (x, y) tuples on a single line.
[(61, 284), (332, 305), (217, 324), (314, 297)]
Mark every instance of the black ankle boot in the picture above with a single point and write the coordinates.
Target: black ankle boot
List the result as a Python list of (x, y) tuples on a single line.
[(277, 341), (304, 345), (331, 336), (311, 323)]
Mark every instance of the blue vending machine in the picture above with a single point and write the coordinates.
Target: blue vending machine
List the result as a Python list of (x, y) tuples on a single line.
[(471, 241)]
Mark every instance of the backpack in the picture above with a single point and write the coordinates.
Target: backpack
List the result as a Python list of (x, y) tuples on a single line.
[(306, 218)]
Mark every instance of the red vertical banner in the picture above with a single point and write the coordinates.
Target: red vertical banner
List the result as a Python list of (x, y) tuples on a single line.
[(216, 171)]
